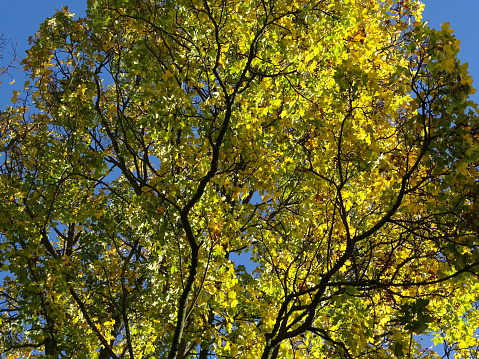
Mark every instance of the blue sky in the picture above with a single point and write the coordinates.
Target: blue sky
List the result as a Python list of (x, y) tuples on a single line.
[(19, 19)]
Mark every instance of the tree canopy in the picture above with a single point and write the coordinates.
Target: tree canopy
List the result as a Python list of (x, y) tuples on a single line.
[(331, 142)]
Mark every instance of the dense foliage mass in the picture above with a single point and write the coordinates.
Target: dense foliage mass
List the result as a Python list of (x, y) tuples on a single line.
[(332, 142)]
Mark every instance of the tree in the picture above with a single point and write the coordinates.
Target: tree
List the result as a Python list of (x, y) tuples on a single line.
[(3, 44), (333, 142)]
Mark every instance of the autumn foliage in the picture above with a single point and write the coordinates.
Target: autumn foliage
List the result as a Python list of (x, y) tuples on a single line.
[(330, 143)]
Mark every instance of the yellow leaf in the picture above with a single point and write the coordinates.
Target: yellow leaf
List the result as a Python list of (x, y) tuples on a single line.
[(167, 75), (445, 28), (462, 169), (449, 65)]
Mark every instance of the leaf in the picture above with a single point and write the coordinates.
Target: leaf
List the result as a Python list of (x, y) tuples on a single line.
[(167, 75), (445, 28), (398, 350)]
